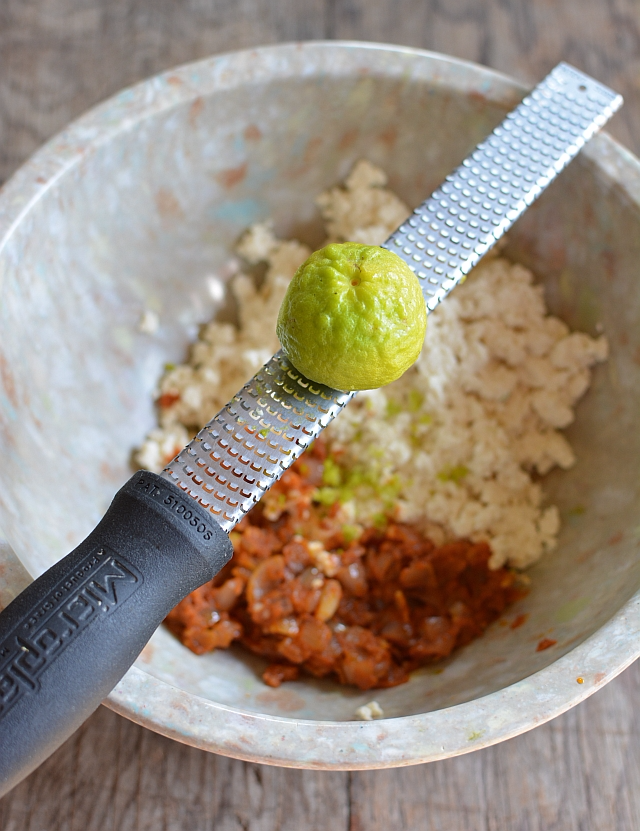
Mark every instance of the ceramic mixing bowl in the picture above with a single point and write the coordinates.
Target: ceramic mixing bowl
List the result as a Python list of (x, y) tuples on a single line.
[(138, 203)]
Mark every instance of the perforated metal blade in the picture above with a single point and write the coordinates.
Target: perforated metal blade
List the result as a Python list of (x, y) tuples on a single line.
[(249, 444)]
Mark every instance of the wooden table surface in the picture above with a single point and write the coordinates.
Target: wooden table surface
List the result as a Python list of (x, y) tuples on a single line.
[(581, 771)]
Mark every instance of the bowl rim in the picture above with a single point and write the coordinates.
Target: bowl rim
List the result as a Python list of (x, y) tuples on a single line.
[(332, 745)]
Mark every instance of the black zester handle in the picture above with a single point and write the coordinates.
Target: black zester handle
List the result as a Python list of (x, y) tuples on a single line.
[(72, 634)]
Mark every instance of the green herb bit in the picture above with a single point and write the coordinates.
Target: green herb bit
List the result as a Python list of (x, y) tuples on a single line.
[(357, 478), (331, 473), (416, 400), (379, 521), (390, 490), (393, 408), (169, 367), (416, 437), (351, 532), (453, 474), (326, 496)]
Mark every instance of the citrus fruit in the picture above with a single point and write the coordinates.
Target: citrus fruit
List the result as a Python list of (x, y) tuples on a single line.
[(353, 317)]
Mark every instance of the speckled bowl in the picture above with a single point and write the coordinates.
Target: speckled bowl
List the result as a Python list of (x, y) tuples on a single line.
[(136, 204)]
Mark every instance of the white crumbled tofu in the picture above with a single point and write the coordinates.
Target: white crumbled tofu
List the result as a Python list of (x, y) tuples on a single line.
[(160, 446), (459, 438), (225, 356), (369, 712), (215, 287), (363, 210), (257, 243), (149, 323), (496, 380)]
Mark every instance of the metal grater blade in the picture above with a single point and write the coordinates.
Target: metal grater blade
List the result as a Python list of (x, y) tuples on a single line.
[(449, 233), (249, 444)]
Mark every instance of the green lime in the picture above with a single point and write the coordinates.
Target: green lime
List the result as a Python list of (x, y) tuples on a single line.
[(353, 317)]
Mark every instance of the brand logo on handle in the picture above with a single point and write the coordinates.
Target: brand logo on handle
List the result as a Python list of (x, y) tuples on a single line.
[(100, 583)]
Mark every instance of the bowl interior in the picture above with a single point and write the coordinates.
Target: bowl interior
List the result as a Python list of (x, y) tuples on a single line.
[(149, 211)]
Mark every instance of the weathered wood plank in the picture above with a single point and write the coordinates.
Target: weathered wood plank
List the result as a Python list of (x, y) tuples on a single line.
[(59, 57), (524, 39), (581, 771)]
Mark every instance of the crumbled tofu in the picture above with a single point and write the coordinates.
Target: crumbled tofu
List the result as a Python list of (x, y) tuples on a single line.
[(369, 712), (160, 446), (496, 381), (464, 432), (257, 243), (149, 323), (215, 286), (363, 210)]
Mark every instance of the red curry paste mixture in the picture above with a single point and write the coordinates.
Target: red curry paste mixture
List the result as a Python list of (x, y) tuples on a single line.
[(304, 593)]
